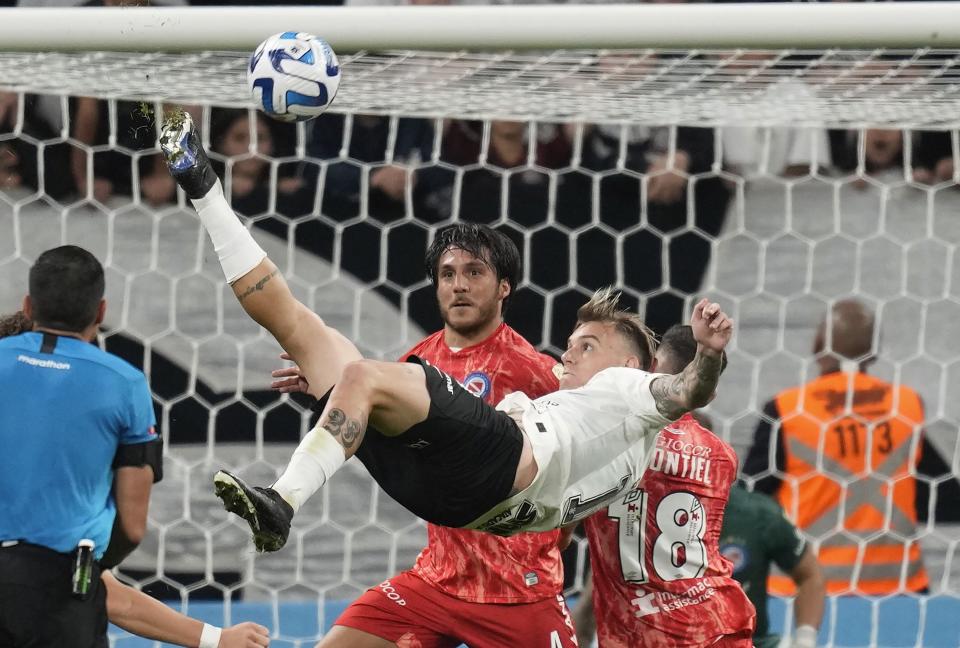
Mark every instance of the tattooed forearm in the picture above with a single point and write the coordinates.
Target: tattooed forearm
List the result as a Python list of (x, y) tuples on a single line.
[(689, 389), (666, 390), (345, 430), (706, 370), (257, 287)]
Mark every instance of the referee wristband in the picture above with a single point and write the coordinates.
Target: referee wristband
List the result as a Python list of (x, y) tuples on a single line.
[(804, 637), (210, 637)]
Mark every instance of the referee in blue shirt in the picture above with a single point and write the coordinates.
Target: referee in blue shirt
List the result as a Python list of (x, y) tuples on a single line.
[(79, 456)]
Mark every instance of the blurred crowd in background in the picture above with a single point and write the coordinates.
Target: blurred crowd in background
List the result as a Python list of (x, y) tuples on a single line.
[(664, 190)]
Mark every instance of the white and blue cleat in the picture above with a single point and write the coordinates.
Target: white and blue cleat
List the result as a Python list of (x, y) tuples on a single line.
[(185, 157)]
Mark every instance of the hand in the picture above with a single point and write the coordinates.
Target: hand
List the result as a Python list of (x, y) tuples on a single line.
[(289, 185), (102, 190), (667, 186), (241, 184), (9, 174), (293, 381), (712, 329), (244, 635), (944, 170), (391, 180), (8, 108), (158, 188)]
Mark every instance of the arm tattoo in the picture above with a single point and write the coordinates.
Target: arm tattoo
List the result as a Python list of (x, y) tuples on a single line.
[(689, 389), (345, 430), (257, 287), (665, 390)]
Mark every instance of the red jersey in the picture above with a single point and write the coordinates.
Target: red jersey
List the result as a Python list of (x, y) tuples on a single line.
[(481, 567), (658, 576)]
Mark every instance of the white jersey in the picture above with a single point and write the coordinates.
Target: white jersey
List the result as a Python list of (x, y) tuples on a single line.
[(590, 444)]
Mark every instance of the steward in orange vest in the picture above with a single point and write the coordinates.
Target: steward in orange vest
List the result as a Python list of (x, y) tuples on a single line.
[(846, 448)]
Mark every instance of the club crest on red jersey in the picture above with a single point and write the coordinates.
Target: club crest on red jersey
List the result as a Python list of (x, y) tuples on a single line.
[(477, 383)]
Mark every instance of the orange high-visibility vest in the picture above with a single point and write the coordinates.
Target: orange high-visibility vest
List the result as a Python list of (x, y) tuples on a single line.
[(852, 444)]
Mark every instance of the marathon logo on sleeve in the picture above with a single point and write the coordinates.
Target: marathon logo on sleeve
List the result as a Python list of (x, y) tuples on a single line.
[(44, 364)]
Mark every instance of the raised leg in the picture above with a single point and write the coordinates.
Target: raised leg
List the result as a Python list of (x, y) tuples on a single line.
[(321, 351)]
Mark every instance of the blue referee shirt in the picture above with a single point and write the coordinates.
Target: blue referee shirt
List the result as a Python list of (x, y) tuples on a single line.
[(63, 413)]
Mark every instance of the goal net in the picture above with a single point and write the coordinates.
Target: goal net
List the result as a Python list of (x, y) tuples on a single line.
[(775, 181)]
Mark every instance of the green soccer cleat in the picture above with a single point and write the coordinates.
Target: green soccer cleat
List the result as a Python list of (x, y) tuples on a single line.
[(186, 159), (264, 510)]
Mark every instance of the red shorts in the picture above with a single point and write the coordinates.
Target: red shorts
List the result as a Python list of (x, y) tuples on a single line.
[(413, 614)]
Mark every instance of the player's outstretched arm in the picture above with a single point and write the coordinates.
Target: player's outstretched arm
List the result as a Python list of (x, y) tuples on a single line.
[(809, 604), (320, 351), (145, 616), (695, 386)]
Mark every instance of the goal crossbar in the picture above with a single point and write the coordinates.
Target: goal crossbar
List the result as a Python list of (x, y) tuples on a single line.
[(836, 88), (478, 28)]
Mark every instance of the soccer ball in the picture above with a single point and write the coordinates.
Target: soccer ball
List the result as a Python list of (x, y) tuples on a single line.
[(293, 76)]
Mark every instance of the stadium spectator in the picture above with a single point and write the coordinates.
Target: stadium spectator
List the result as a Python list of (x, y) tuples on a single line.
[(367, 146), (18, 157), (840, 454), (80, 455), (113, 169), (933, 158), (260, 3), (668, 207), (755, 535), (99, 3), (481, 193), (885, 155), (466, 586), (142, 615), (659, 578), (750, 151), (250, 183), (9, 167)]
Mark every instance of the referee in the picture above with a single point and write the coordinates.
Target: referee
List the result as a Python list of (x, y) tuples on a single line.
[(79, 457)]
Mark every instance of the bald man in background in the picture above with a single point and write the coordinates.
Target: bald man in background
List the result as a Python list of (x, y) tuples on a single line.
[(840, 454)]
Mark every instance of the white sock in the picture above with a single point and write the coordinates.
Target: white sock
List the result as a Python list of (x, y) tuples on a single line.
[(314, 461), (238, 252)]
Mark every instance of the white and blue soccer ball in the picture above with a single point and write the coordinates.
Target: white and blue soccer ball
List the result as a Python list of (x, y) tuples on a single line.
[(293, 76)]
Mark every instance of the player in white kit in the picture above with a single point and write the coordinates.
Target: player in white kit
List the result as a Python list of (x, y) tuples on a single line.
[(451, 458)]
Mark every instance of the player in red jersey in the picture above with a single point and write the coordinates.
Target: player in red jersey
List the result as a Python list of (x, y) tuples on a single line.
[(468, 586), (659, 580)]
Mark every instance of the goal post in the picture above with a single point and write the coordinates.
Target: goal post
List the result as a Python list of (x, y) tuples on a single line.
[(777, 157)]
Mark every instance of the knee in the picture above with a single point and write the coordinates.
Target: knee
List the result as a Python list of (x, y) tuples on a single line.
[(360, 375)]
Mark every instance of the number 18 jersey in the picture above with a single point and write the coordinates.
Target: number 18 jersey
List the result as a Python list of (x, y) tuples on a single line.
[(658, 576)]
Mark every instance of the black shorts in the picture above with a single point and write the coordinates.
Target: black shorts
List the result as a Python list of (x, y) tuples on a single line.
[(454, 466), (36, 606)]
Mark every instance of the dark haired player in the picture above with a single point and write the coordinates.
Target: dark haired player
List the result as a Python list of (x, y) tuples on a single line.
[(468, 587), (79, 457)]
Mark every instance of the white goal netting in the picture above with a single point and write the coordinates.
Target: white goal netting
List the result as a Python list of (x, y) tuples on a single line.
[(775, 181)]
